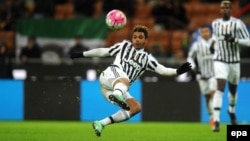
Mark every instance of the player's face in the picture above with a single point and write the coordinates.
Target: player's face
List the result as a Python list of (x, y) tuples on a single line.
[(138, 40), (31, 42), (225, 10), (205, 33)]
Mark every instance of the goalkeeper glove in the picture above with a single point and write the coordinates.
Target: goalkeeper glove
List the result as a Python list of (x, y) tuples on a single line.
[(76, 55), (230, 38), (184, 68)]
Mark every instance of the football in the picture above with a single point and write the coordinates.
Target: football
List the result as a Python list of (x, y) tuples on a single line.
[(116, 19)]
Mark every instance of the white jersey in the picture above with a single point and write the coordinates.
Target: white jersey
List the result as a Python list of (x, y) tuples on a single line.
[(132, 61), (200, 51), (229, 52)]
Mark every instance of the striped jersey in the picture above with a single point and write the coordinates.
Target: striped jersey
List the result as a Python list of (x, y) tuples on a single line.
[(200, 51), (226, 51), (134, 62)]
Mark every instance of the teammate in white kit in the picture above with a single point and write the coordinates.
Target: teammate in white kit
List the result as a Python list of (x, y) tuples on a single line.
[(131, 61), (231, 33), (202, 50)]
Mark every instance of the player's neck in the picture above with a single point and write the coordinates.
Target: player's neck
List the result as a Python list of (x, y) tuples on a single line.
[(139, 49), (226, 18)]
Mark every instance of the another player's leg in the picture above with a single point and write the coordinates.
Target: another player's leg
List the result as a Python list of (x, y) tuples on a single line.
[(208, 98), (217, 103), (232, 98), (207, 88), (212, 87), (233, 81), (209, 106)]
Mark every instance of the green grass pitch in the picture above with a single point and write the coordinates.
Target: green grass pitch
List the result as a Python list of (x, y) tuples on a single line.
[(82, 131)]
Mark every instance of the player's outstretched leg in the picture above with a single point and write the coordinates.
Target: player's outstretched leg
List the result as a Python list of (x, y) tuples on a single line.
[(117, 99), (98, 127)]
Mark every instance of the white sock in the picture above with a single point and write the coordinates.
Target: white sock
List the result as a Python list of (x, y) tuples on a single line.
[(120, 89), (106, 121), (217, 103), (119, 116), (232, 102)]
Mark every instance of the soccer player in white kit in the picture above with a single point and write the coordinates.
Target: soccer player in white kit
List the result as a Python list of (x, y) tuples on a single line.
[(202, 50), (131, 61), (231, 33)]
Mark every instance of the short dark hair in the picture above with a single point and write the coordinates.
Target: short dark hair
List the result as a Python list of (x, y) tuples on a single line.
[(141, 28), (226, 1), (206, 26)]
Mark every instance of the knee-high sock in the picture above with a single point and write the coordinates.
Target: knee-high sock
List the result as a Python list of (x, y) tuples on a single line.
[(119, 116), (232, 98), (217, 103), (120, 89)]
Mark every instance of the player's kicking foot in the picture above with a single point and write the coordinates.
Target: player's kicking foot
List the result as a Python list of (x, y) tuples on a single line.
[(216, 127), (119, 101), (98, 127), (232, 118)]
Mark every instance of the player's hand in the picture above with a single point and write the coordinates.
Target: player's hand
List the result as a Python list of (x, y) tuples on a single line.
[(184, 68), (211, 48), (76, 55), (230, 38)]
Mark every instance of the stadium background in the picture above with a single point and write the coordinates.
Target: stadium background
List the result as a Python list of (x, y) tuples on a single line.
[(49, 97), (61, 90)]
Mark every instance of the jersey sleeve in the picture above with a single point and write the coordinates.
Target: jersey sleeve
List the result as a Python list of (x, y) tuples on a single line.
[(242, 34), (192, 54), (97, 52), (115, 49), (152, 63), (155, 66), (102, 52)]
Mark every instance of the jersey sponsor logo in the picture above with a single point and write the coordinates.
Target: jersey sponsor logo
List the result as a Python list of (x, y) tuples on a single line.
[(133, 63)]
